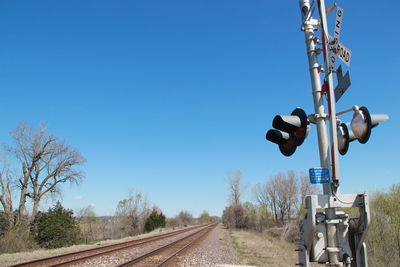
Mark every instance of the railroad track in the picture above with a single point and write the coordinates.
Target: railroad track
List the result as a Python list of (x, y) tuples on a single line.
[(84, 255), (165, 255)]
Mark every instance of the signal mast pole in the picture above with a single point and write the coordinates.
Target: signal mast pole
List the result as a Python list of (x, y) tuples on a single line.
[(331, 98), (330, 212), (315, 68), (309, 27)]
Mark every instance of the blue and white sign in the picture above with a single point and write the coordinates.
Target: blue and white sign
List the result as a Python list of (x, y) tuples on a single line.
[(319, 176)]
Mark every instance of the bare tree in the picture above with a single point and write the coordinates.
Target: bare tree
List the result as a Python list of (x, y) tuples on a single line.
[(131, 214), (6, 194), (266, 195), (280, 194), (235, 187), (235, 216), (273, 196), (306, 188), (185, 218), (46, 162), (279, 186), (291, 196), (87, 219), (286, 189), (236, 211), (260, 194)]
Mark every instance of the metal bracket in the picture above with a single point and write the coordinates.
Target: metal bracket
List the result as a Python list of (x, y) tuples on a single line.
[(350, 232), (312, 22), (316, 40), (314, 118), (319, 68), (316, 51)]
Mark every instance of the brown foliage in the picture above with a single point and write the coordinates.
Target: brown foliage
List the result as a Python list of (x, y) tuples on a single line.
[(184, 218), (383, 238), (235, 186), (17, 239)]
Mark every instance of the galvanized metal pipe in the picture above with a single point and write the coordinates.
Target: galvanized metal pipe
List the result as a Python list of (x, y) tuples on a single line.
[(314, 68), (323, 144), (330, 213), (335, 172)]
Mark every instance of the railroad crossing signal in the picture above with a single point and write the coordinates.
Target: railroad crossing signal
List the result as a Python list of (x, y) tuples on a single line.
[(336, 47), (326, 234), (345, 136), (359, 128), (363, 122), (290, 131)]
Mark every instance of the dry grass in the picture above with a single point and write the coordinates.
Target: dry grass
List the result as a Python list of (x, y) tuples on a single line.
[(263, 249)]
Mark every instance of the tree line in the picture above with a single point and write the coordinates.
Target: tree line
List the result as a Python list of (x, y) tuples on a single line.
[(59, 227), (133, 216), (32, 168), (278, 203), (278, 200)]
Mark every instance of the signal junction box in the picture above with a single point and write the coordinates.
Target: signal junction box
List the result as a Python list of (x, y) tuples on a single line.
[(319, 251), (349, 233)]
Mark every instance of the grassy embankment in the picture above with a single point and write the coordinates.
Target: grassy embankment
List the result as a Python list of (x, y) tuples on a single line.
[(263, 249)]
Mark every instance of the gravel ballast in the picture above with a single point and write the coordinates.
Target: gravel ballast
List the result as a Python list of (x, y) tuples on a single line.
[(215, 249)]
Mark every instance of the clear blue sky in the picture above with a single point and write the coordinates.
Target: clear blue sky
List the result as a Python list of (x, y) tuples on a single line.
[(167, 96)]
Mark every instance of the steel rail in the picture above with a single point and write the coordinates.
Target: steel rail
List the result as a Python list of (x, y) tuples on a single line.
[(144, 256), (96, 252), (174, 255)]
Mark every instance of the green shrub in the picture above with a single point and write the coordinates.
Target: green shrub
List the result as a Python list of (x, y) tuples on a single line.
[(56, 228), (154, 221), (383, 238)]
